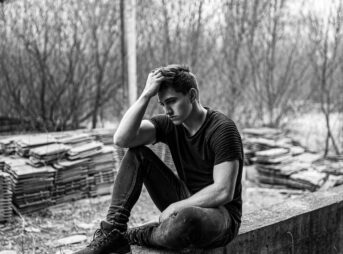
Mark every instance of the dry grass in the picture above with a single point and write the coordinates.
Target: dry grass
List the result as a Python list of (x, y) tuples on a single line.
[(310, 130), (38, 233)]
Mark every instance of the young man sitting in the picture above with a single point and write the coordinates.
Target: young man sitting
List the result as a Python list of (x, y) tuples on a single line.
[(202, 206)]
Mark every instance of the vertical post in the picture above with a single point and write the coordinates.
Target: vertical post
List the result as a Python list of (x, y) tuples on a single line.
[(130, 29), (123, 51)]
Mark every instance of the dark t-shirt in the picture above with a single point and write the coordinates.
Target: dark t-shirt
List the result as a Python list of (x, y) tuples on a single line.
[(217, 141)]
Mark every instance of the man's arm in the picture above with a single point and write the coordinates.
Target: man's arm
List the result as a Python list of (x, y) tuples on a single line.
[(216, 194), (132, 131)]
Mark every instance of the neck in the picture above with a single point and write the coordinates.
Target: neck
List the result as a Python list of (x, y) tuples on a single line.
[(196, 119)]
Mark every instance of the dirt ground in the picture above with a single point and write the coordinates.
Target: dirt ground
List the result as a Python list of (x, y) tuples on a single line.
[(40, 232)]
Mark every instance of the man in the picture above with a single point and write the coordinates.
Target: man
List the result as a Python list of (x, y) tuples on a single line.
[(202, 207)]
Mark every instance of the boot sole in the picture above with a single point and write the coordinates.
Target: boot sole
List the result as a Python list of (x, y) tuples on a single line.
[(120, 252)]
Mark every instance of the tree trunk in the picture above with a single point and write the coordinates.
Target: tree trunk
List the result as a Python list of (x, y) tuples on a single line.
[(130, 22), (123, 50)]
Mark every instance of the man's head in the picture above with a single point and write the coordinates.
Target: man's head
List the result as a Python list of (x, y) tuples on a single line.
[(179, 78), (178, 92)]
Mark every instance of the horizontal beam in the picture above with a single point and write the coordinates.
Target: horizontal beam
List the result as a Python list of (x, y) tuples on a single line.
[(312, 223)]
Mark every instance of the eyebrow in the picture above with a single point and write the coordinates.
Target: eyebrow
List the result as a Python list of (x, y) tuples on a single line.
[(168, 99)]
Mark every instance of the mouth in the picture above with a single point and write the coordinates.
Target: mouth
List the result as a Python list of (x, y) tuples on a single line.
[(172, 117)]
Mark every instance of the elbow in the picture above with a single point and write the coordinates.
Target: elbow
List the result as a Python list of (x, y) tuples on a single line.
[(119, 142), (225, 196)]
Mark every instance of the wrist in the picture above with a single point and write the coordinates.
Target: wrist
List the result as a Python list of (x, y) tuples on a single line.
[(145, 96)]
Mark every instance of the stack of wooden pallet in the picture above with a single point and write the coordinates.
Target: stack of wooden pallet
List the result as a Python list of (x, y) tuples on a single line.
[(102, 172), (8, 146), (32, 187), (25, 144), (84, 151), (281, 161), (75, 139), (5, 197), (70, 180), (2, 162), (105, 136), (47, 154)]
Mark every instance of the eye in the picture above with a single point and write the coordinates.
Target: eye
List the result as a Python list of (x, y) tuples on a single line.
[(171, 101)]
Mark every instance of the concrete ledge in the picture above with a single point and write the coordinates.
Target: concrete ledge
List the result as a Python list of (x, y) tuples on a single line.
[(309, 224)]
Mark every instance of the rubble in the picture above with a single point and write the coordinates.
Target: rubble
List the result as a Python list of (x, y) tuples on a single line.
[(70, 180), (5, 197), (47, 154), (101, 173), (74, 140), (84, 151), (282, 161), (24, 144), (32, 186)]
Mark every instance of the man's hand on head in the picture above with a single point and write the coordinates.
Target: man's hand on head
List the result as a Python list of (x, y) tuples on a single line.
[(153, 83)]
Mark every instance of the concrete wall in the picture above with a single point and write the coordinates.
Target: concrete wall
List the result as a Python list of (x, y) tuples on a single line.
[(309, 224)]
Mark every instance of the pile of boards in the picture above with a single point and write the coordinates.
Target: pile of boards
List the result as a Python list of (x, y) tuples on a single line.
[(5, 197), (47, 169), (281, 161)]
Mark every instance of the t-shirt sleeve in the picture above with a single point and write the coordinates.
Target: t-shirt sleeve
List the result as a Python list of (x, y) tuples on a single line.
[(163, 127), (226, 143)]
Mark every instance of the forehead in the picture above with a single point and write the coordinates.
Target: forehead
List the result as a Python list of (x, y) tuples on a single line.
[(167, 93)]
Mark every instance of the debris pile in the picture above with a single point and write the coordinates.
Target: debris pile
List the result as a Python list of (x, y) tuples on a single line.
[(47, 154), (2, 163), (57, 167), (23, 145), (84, 151), (70, 180), (101, 172), (32, 187), (8, 146), (281, 161), (105, 136), (74, 140), (5, 197)]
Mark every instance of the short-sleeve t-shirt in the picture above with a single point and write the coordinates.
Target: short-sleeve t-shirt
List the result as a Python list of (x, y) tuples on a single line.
[(217, 141)]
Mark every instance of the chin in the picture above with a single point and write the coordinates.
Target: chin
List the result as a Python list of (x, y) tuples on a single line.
[(177, 122)]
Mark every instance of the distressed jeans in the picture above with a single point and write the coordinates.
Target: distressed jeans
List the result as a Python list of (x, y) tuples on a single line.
[(191, 227)]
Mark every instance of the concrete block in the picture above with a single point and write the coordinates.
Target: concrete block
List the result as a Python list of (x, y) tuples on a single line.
[(310, 224)]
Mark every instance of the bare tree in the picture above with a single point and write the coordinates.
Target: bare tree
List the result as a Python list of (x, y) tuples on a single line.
[(59, 68), (276, 62), (325, 56)]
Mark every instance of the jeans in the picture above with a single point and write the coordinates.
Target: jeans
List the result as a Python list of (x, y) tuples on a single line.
[(191, 227)]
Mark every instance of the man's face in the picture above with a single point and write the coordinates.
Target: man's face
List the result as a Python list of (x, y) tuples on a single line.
[(177, 106)]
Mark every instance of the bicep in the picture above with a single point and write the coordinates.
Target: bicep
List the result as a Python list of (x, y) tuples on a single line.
[(225, 176), (146, 134)]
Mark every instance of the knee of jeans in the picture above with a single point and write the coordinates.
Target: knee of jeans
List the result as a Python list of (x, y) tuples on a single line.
[(184, 228), (188, 219)]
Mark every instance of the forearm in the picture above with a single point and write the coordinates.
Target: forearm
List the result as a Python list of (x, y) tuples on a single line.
[(210, 196), (129, 125)]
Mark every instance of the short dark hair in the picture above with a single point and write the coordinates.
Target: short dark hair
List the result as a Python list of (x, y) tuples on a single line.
[(181, 79)]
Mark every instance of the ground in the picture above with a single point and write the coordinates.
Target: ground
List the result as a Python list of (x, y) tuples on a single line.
[(39, 232)]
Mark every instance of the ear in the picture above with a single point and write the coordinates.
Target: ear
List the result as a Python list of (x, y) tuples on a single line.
[(193, 94)]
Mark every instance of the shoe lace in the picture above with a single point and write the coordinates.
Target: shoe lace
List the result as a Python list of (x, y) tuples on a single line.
[(139, 235), (132, 236), (100, 237)]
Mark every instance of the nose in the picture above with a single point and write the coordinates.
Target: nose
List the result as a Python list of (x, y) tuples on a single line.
[(168, 110)]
